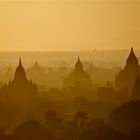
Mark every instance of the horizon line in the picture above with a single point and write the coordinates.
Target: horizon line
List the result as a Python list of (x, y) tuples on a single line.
[(137, 49), (66, 1)]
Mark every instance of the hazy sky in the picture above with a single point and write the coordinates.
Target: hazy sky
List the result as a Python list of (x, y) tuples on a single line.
[(69, 25)]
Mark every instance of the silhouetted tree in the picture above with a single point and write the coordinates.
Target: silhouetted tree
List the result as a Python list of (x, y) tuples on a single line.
[(80, 119)]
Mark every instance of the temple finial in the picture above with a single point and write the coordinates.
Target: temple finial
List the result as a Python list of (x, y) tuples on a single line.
[(132, 59), (132, 49), (78, 58), (132, 52), (78, 65), (20, 63)]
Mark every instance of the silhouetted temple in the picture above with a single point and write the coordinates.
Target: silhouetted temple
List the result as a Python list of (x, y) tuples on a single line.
[(20, 89), (78, 77), (127, 76)]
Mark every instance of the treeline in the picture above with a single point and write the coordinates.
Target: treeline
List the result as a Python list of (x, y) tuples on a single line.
[(123, 123)]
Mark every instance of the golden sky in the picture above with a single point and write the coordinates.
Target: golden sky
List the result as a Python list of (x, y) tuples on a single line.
[(28, 25)]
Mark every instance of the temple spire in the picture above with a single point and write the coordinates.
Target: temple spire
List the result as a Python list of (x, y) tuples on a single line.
[(132, 54), (132, 49), (78, 65), (20, 63), (132, 59), (20, 73), (78, 59)]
